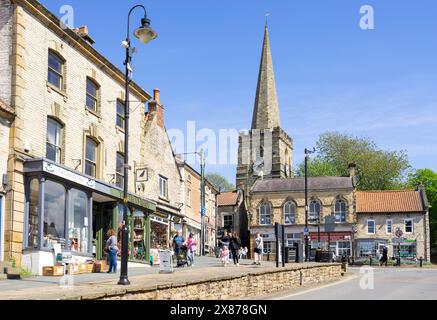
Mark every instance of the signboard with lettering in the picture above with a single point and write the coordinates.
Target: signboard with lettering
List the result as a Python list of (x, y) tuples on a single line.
[(165, 261), (68, 175)]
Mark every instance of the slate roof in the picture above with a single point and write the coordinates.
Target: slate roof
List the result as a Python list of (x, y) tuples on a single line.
[(396, 201), (227, 199), (298, 184)]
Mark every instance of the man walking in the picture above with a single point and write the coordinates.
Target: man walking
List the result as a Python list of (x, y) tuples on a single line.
[(258, 249)]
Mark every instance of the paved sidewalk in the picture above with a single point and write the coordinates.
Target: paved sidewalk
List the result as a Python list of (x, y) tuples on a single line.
[(87, 285)]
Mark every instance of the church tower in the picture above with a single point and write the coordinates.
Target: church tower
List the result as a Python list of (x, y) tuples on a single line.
[(266, 150)]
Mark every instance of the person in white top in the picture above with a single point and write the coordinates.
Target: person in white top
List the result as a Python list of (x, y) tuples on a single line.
[(258, 249)]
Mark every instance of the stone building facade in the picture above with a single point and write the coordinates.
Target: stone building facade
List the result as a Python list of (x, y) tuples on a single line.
[(66, 144), (380, 214), (191, 209)]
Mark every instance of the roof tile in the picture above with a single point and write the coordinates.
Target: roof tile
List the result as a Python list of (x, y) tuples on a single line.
[(227, 199), (389, 201)]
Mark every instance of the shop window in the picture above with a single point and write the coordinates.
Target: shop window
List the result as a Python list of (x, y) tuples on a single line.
[(120, 120), (269, 247), (340, 211), (228, 222), (291, 238), (119, 175), (78, 222), (33, 234), (408, 225), (91, 157), (163, 187), (344, 248), (54, 140), (54, 214), (314, 212), (389, 226), (56, 70), (92, 95), (370, 226), (406, 250), (290, 213), (265, 214)]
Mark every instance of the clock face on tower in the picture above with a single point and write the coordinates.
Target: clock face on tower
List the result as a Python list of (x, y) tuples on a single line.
[(258, 166)]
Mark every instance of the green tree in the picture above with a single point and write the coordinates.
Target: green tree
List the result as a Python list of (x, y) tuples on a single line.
[(376, 169), (220, 182), (428, 178)]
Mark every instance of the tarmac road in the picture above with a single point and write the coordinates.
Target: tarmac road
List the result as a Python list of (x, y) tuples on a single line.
[(388, 284)]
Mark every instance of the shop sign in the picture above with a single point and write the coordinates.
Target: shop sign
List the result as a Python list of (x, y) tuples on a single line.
[(334, 236), (68, 175), (165, 261)]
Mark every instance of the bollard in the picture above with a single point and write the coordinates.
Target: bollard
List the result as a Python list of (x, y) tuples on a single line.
[(421, 262), (370, 260)]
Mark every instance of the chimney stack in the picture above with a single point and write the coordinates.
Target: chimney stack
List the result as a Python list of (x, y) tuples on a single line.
[(82, 31), (156, 109)]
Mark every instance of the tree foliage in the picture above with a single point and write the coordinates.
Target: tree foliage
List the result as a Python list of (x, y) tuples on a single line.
[(428, 178), (376, 169), (220, 182)]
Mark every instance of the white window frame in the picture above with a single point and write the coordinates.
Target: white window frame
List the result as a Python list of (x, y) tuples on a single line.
[(265, 204), (338, 213), (391, 226), (290, 204), (374, 226), (412, 225), (163, 193)]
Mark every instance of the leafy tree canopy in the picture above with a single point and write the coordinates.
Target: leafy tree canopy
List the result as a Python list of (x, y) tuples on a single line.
[(220, 182), (376, 169)]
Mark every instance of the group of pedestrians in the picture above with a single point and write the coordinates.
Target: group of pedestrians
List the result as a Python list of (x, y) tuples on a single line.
[(231, 246), (191, 246)]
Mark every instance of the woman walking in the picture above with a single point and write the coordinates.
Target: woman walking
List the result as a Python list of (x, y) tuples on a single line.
[(258, 249), (235, 245), (112, 249), (192, 248)]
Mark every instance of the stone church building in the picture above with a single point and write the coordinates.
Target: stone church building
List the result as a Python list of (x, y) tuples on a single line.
[(274, 195)]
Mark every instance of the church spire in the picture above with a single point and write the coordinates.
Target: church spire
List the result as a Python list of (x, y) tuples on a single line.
[(266, 110)]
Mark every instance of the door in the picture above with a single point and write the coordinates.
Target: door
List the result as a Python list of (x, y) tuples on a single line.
[(103, 220), (1, 228)]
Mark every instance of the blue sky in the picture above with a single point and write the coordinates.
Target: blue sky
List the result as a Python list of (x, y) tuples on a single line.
[(330, 74)]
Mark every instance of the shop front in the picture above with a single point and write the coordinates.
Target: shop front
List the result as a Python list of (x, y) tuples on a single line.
[(369, 247), (338, 242), (69, 212), (2, 223)]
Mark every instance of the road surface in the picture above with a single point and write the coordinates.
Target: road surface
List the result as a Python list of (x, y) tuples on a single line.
[(388, 284)]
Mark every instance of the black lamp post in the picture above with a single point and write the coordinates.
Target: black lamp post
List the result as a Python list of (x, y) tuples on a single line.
[(145, 34), (307, 155)]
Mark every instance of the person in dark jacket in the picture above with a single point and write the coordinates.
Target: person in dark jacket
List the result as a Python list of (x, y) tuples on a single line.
[(384, 257), (235, 246)]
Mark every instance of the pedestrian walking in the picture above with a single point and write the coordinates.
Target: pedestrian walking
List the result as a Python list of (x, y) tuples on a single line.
[(178, 242), (384, 257), (111, 249), (192, 248), (258, 249), (235, 246)]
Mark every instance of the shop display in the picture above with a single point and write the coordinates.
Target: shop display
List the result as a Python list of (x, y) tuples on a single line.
[(55, 271)]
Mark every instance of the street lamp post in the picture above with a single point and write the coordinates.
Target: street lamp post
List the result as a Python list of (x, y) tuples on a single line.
[(145, 34), (307, 155)]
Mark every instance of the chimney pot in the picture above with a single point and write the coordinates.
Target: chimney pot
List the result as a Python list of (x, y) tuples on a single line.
[(156, 93)]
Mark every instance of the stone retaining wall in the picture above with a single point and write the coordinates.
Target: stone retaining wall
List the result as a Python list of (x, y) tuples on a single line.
[(237, 287)]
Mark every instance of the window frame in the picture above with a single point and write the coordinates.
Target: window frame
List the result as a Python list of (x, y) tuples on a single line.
[(60, 74), (267, 216), (312, 220), (60, 135), (412, 225), (90, 161), (165, 185), (95, 98), (231, 218), (374, 226), (290, 204), (121, 116), (343, 218), (391, 226)]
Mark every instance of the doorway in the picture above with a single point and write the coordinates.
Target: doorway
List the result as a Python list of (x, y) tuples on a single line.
[(104, 216), (1, 228)]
